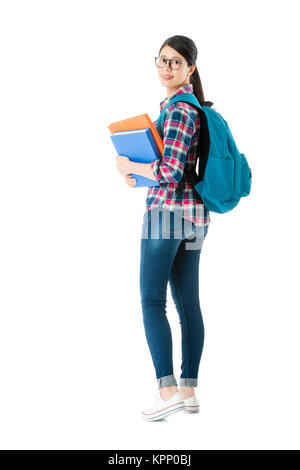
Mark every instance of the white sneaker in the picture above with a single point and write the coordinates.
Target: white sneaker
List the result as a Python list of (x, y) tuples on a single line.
[(191, 404), (163, 408)]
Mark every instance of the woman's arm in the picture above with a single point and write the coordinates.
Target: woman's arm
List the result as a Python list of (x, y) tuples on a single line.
[(143, 169), (179, 129), (126, 166)]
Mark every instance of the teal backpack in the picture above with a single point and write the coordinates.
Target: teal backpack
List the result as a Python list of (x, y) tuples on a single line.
[(224, 175)]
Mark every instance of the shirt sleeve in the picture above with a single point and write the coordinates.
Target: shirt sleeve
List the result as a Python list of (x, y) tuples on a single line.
[(179, 129)]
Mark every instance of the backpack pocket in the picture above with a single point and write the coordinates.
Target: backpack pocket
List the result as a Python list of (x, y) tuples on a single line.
[(219, 177), (246, 177)]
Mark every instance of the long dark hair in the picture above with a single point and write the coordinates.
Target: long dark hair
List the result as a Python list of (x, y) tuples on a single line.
[(187, 48)]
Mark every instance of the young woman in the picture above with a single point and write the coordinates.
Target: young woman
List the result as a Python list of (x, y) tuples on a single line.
[(176, 220)]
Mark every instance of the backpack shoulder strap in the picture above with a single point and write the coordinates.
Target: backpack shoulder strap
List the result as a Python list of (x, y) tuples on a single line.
[(203, 145), (187, 98)]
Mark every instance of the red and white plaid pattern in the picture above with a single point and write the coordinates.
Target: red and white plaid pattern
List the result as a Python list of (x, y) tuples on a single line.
[(181, 133)]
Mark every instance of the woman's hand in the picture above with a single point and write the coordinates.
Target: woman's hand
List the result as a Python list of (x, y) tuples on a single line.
[(123, 164), (130, 180)]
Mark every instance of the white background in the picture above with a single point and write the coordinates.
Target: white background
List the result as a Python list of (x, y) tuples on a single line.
[(75, 367)]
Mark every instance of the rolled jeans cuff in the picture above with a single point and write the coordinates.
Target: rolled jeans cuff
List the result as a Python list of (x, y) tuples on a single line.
[(166, 380), (188, 382)]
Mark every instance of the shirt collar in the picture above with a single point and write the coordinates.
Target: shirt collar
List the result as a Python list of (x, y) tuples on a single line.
[(183, 89)]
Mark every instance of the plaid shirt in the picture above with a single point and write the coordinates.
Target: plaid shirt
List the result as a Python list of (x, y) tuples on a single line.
[(181, 131)]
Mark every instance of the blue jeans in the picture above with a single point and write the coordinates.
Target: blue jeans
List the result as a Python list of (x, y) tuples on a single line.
[(170, 252)]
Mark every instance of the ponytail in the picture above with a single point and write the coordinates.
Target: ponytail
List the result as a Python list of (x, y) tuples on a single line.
[(197, 86)]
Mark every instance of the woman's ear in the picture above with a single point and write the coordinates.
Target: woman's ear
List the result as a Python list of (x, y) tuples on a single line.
[(193, 69)]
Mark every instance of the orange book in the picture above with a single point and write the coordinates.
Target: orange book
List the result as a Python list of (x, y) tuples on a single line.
[(142, 121)]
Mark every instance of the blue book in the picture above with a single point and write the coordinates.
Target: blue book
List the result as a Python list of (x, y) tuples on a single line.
[(139, 146)]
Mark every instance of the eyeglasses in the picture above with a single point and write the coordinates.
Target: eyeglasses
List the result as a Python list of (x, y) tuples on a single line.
[(173, 63)]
